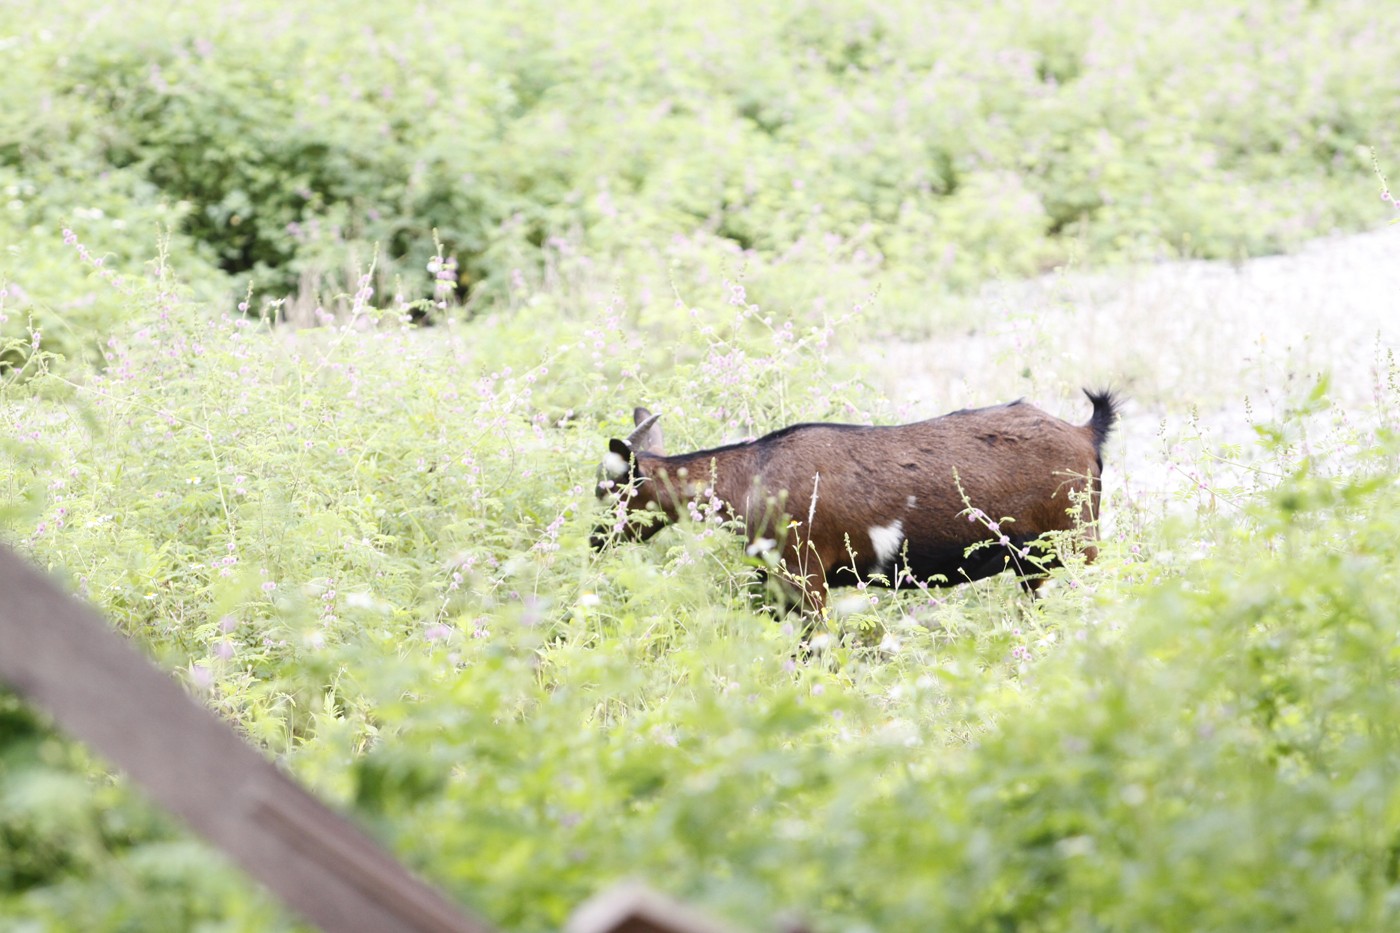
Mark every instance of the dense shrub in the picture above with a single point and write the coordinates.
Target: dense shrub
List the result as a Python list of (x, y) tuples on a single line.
[(287, 149), (366, 547)]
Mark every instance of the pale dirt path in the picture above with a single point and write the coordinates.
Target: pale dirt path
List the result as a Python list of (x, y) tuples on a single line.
[(1197, 347)]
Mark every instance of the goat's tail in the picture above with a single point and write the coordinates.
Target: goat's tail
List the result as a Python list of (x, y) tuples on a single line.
[(1106, 407)]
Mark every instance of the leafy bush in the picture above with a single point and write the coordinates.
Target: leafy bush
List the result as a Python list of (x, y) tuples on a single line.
[(952, 144), (367, 549)]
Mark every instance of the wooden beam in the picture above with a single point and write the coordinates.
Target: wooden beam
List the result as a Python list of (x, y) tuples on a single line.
[(634, 908), (63, 657)]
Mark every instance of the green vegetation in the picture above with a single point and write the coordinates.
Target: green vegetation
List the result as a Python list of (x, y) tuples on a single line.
[(364, 543), (912, 146)]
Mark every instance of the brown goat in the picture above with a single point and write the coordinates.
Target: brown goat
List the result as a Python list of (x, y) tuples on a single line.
[(948, 500)]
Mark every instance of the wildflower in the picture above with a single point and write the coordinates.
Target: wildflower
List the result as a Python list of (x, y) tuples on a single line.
[(201, 676)]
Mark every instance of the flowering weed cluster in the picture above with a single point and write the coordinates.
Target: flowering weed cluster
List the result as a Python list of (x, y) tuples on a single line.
[(366, 546)]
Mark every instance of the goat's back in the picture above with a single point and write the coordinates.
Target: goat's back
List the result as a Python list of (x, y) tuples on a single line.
[(1011, 460)]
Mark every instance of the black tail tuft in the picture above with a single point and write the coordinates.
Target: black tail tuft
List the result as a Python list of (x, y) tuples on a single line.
[(1106, 408)]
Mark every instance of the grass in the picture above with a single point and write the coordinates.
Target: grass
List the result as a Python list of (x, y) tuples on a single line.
[(364, 542), (365, 545)]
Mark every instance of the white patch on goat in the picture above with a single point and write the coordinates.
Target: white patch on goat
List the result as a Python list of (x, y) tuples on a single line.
[(761, 546), (911, 502), (886, 539), (614, 465)]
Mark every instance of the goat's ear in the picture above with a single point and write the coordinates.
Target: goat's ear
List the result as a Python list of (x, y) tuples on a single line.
[(648, 434), (620, 462)]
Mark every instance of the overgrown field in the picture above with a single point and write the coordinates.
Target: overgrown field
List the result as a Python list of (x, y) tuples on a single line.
[(364, 541), (839, 146)]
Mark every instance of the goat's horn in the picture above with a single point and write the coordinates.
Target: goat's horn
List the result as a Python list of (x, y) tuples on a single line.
[(636, 436)]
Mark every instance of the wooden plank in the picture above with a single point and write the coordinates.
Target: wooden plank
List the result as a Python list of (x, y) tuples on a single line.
[(634, 908), (63, 657)]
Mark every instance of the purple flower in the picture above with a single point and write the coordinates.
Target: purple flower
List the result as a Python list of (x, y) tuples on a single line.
[(201, 676)]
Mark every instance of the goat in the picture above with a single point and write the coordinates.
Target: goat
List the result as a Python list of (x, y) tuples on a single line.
[(948, 500)]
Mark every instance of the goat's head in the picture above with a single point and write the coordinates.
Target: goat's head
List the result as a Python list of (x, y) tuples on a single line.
[(624, 485)]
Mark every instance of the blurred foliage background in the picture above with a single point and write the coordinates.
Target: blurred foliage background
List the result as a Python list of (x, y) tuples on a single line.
[(920, 146)]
